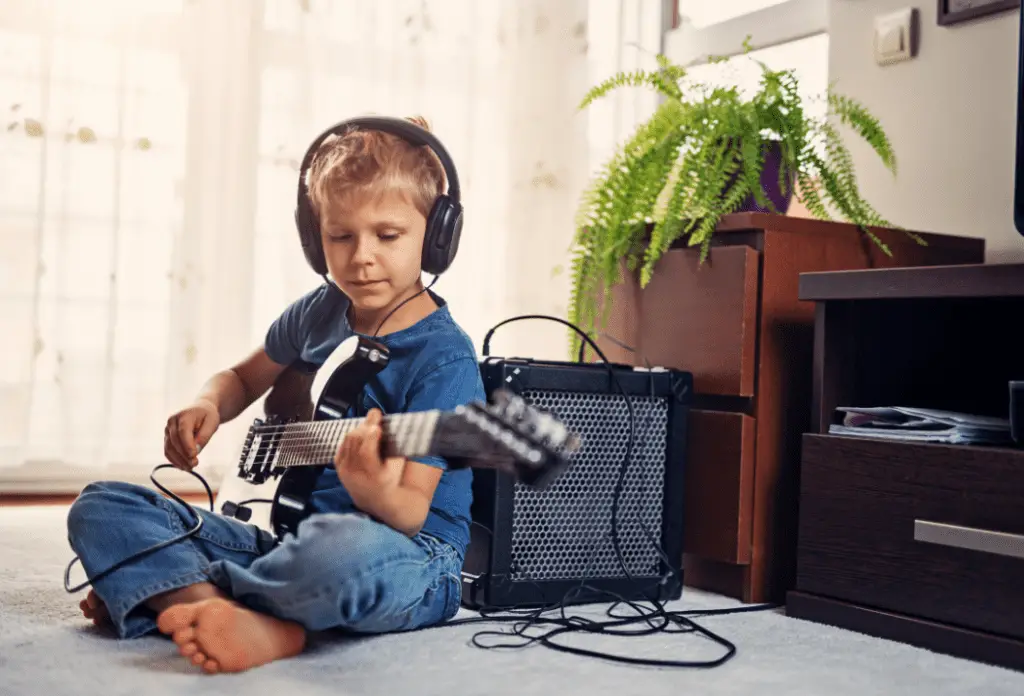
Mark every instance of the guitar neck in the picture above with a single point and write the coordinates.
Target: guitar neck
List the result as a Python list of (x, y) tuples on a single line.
[(314, 443)]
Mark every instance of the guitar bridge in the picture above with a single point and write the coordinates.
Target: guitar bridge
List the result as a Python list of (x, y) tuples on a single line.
[(259, 457)]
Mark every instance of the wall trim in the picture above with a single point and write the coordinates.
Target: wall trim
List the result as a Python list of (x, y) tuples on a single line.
[(789, 21)]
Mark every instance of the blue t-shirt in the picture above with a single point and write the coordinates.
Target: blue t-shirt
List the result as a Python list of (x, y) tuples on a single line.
[(433, 365)]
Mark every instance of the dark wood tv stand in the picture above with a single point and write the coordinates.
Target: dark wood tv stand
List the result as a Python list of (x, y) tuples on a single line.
[(921, 543)]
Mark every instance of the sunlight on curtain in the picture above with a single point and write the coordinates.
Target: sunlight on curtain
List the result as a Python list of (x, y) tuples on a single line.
[(92, 153), (149, 155)]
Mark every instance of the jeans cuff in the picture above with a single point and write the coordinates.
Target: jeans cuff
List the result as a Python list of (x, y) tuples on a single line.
[(131, 623)]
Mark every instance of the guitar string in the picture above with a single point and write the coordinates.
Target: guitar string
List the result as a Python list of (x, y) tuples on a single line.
[(346, 422), (316, 430), (307, 445), (322, 438), (403, 433)]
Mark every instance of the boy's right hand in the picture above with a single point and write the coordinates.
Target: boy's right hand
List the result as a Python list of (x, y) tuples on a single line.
[(188, 431)]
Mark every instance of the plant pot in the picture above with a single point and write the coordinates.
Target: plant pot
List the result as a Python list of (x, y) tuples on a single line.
[(769, 184)]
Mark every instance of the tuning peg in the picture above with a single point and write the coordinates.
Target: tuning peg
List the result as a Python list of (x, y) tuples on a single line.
[(516, 407), (499, 398)]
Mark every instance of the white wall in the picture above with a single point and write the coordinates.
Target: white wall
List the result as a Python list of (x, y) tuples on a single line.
[(951, 114)]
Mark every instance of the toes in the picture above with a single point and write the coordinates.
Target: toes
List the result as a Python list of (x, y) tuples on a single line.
[(175, 618), (184, 635), (211, 667), (198, 659), (188, 649)]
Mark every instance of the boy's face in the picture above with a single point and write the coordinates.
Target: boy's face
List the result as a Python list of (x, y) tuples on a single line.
[(373, 246)]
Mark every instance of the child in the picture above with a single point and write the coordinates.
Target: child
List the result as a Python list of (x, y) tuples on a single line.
[(384, 548)]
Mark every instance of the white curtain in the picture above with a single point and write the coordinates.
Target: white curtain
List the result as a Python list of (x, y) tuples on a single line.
[(149, 160)]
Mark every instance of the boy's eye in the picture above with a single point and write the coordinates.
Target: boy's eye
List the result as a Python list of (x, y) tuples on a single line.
[(387, 237)]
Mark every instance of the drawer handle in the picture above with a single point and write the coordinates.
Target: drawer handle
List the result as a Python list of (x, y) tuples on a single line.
[(999, 543)]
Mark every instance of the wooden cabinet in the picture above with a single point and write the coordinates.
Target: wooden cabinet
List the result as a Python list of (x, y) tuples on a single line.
[(911, 541), (737, 324)]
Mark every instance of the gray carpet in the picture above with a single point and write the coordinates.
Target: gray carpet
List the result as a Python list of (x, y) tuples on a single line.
[(47, 647)]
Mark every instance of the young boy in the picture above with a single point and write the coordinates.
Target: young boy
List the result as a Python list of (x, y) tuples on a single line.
[(384, 548)]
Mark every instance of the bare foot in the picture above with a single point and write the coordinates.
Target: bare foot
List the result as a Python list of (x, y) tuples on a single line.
[(222, 636), (94, 608)]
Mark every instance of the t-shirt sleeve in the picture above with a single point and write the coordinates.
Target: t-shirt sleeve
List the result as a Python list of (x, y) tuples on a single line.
[(287, 334), (452, 384)]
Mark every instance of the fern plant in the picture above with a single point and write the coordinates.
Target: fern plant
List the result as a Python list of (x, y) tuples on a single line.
[(700, 156)]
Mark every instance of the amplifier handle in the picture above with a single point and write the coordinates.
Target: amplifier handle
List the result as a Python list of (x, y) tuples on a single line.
[(999, 543)]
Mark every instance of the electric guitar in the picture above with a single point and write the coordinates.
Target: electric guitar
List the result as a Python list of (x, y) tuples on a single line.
[(289, 449)]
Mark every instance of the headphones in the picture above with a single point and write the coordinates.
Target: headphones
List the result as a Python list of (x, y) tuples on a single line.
[(444, 223)]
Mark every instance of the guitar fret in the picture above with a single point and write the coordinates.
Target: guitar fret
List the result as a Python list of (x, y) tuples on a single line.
[(415, 426), (402, 434)]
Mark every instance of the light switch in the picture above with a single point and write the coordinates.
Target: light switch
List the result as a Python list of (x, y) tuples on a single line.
[(896, 36)]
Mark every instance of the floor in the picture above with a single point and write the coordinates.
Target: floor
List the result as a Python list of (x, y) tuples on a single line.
[(46, 646)]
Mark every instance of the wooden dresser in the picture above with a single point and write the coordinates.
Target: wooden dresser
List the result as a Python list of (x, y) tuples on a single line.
[(916, 542), (738, 325)]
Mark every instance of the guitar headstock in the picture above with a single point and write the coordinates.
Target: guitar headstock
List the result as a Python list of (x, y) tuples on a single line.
[(514, 436)]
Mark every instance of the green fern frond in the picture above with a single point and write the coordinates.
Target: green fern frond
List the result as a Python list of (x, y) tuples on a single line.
[(664, 81), (853, 114)]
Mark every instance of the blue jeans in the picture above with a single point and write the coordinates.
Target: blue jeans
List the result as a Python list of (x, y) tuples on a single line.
[(341, 571)]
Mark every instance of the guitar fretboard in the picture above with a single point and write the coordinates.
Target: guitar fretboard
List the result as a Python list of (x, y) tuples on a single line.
[(314, 443)]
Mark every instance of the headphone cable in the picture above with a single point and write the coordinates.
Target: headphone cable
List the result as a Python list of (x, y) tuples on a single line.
[(399, 306)]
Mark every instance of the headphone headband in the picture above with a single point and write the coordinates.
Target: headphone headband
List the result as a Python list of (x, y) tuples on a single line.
[(444, 222), (396, 126)]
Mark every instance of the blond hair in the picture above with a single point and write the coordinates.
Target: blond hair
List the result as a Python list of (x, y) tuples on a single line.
[(370, 163)]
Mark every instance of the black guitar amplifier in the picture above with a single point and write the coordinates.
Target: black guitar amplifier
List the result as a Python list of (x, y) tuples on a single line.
[(533, 547)]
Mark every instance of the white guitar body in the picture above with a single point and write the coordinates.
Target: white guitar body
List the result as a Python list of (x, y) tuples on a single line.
[(235, 489)]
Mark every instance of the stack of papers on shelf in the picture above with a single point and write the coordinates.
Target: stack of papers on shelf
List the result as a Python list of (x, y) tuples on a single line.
[(920, 425)]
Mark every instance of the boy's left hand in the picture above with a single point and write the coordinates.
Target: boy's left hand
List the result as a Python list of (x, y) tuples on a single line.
[(359, 465)]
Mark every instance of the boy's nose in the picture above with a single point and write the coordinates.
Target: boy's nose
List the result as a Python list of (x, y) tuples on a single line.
[(363, 251)]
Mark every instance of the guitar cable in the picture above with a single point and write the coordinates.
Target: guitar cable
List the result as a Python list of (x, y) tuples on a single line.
[(155, 547), (658, 620)]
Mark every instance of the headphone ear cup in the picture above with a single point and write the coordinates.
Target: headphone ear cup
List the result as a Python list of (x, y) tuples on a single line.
[(441, 241), (309, 237)]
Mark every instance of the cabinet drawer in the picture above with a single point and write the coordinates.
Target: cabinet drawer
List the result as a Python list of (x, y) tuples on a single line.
[(693, 317), (719, 486), (926, 530), (703, 318)]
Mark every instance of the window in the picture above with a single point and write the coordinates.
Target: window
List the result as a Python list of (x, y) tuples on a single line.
[(785, 34), (704, 13), (808, 58)]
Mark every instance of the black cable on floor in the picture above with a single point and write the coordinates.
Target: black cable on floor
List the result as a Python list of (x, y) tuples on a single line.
[(657, 620)]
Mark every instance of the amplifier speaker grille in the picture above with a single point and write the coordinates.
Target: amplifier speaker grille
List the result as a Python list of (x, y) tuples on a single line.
[(530, 547), (564, 532)]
